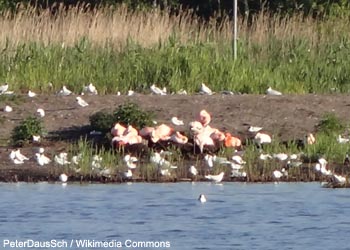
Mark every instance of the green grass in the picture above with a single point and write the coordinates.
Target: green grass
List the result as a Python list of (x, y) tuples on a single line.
[(291, 66)]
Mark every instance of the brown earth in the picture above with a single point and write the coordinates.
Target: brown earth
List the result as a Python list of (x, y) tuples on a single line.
[(287, 116)]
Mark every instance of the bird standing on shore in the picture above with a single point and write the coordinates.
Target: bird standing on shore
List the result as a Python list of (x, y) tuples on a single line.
[(215, 178), (64, 91), (271, 91), (205, 90), (81, 102)]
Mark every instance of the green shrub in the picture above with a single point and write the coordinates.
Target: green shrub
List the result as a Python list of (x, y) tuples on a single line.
[(132, 114), (331, 124), (26, 129), (102, 121)]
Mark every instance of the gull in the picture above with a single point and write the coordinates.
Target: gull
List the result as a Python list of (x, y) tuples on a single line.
[(127, 174), (8, 109), (236, 173), (215, 178), (264, 157), (42, 159), (238, 159), (63, 178), (131, 93), (205, 90), (96, 162), (81, 102), (277, 174), (158, 91), (339, 179), (4, 88), (342, 140), (164, 172), (76, 159), (182, 92), (254, 129), (262, 138), (130, 161), (61, 159), (36, 138), (193, 170), (176, 121), (90, 89), (236, 166), (202, 198), (271, 91), (17, 157), (281, 156), (40, 112), (31, 94), (209, 160), (64, 91)]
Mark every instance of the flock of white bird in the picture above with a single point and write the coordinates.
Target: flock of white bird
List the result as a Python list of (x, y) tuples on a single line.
[(165, 167)]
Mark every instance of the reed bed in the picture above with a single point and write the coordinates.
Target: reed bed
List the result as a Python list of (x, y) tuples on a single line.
[(118, 50)]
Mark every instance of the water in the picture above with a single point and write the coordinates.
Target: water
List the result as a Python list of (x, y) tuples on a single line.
[(236, 215)]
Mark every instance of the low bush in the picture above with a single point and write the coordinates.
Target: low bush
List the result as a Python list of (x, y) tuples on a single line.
[(26, 129)]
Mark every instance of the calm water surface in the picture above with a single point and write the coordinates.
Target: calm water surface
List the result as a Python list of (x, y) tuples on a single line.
[(236, 215)]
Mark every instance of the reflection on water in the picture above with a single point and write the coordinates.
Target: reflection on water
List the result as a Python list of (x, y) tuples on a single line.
[(235, 216)]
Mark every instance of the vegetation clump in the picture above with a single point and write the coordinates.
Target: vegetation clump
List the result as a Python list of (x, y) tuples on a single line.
[(26, 129), (331, 124), (125, 114)]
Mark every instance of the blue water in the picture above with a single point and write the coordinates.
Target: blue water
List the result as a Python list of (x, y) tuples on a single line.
[(236, 215)]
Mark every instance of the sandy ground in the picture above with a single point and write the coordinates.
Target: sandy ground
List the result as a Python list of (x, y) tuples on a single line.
[(287, 116)]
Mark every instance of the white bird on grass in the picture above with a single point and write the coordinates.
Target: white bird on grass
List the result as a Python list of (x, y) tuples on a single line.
[(238, 159), (215, 178), (64, 91), (127, 174), (342, 140), (202, 198), (271, 91), (40, 112), (158, 91), (205, 90), (61, 159), (262, 138), (42, 159), (4, 88), (31, 94), (17, 157), (90, 89), (130, 161), (131, 93), (265, 157), (81, 102), (339, 179), (193, 170), (278, 174), (8, 109), (280, 156), (237, 173), (36, 138), (176, 121)]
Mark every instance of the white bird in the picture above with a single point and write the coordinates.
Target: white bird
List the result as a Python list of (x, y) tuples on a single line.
[(253, 129), (215, 178), (61, 159), (90, 89), (205, 90), (164, 172), (64, 91), (76, 159), (36, 138), (176, 121), (81, 102), (193, 170), (277, 174), (262, 138), (40, 112), (238, 159), (339, 179), (342, 140), (182, 92), (31, 94), (264, 157), (271, 91), (63, 178), (96, 162), (4, 88), (42, 159), (130, 161), (17, 157), (280, 156), (8, 109), (209, 160), (131, 93), (158, 91), (202, 198), (237, 173), (128, 174)]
